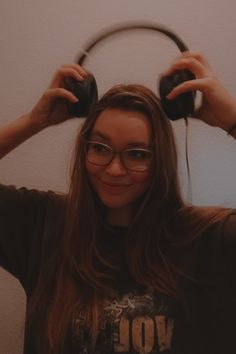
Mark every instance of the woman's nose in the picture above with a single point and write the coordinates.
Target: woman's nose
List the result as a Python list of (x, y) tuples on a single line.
[(116, 167)]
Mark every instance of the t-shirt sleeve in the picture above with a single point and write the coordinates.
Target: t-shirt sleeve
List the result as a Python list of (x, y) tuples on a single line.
[(229, 248), (22, 215)]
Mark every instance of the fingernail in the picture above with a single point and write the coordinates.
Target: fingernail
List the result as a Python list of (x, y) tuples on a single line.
[(79, 77), (169, 96), (167, 72)]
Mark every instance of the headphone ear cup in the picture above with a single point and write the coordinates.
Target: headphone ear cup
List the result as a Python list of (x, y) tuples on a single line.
[(87, 93), (183, 105)]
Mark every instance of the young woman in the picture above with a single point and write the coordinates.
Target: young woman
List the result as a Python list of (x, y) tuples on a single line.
[(121, 264)]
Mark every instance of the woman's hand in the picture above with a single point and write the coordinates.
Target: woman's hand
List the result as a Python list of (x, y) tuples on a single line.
[(51, 108), (218, 107)]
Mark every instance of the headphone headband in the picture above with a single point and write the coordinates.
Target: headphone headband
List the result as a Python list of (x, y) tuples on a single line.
[(127, 27), (87, 93)]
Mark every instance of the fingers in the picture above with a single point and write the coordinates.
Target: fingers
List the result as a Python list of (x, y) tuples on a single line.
[(60, 92), (193, 61), (202, 85), (196, 63), (77, 67), (73, 70), (197, 55), (191, 64)]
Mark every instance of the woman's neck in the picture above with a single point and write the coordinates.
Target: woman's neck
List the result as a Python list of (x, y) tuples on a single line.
[(119, 216)]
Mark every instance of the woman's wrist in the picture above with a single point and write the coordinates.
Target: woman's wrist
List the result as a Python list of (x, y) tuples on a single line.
[(34, 123), (228, 121)]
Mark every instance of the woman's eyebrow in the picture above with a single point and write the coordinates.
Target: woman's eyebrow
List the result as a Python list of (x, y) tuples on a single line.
[(142, 144), (97, 134), (138, 144)]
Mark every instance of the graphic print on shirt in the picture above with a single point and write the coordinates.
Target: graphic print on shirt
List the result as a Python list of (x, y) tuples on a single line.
[(131, 324)]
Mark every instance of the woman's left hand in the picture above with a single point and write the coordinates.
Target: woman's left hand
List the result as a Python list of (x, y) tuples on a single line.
[(218, 107)]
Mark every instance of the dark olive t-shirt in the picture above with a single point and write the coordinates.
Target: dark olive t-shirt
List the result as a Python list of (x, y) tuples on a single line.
[(137, 319)]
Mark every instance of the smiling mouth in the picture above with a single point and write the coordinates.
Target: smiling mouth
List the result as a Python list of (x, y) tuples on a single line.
[(114, 188), (115, 185)]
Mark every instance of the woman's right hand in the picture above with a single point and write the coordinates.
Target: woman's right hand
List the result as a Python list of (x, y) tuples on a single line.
[(51, 108)]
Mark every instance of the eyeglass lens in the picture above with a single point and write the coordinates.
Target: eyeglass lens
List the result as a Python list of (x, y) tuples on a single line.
[(135, 159)]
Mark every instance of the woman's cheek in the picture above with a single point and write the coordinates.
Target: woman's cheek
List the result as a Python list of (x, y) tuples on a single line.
[(92, 169), (142, 177)]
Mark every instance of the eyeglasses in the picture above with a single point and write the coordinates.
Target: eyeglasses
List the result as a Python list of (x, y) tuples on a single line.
[(135, 159)]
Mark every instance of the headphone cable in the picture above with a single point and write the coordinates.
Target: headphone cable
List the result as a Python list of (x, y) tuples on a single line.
[(189, 189)]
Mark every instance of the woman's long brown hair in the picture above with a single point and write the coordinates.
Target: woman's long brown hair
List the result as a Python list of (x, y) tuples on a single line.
[(80, 275)]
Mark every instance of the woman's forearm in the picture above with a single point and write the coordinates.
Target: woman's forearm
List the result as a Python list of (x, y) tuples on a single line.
[(16, 132)]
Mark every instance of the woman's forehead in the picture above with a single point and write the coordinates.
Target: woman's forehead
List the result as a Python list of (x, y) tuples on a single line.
[(131, 127)]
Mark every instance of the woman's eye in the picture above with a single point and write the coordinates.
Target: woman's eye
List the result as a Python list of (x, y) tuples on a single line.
[(98, 148), (138, 154)]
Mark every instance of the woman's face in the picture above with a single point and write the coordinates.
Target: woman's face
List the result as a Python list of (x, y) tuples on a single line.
[(117, 186)]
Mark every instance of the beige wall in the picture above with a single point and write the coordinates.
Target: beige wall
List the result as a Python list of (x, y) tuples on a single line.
[(38, 36)]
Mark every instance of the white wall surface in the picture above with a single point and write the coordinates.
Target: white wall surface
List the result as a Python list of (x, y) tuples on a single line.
[(36, 37)]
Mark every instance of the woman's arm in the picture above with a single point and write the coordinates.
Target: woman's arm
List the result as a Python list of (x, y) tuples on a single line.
[(218, 107), (16, 133), (50, 110)]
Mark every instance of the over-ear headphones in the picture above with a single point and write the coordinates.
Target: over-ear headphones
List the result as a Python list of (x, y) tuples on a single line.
[(87, 93)]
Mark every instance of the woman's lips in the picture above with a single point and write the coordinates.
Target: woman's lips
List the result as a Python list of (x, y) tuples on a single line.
[(114, 187)]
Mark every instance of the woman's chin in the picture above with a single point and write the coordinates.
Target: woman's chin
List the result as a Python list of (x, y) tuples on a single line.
[(111, 204)]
